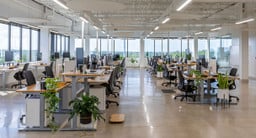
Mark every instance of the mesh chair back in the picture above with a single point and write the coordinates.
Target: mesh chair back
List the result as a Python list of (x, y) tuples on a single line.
[(30, 78), (233, 72), (49, 72)]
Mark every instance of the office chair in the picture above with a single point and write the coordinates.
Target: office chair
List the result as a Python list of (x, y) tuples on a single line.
[(167, 75), (188, 89), (232, 84), (30, 78), (19, 76), (48, 72), (51, 65)]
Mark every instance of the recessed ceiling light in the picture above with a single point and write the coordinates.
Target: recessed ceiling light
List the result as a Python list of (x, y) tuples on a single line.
[(61, 4), (215, 29), (166, 20), (156, 28), (245, 21), (183, 5), (198, 33), (83, 19)]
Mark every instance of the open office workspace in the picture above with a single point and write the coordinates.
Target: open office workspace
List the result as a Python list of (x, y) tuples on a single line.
[(121, 68)]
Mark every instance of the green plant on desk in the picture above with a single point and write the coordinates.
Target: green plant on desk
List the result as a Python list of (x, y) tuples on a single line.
[(223, 81), (197, 75), (52, 101)]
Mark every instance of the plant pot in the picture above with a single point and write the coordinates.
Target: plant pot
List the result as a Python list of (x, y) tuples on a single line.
[(159, 74), (86, 118), (223, 94)]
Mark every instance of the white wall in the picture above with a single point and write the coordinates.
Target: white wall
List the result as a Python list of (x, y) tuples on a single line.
[(252, 51)]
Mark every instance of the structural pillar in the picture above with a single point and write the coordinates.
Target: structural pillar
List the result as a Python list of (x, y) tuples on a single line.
[(142, 48)]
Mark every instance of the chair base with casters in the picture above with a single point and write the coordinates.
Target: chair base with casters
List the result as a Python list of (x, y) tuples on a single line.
[(170, 82), (235, 97), (108, 102), (186, 96)]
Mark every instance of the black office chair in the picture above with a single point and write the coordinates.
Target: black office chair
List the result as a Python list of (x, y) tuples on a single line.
[(49, 72), (167, 75), (232, 84), (51, 65), (188, 89), (30, 78), (19, 76)]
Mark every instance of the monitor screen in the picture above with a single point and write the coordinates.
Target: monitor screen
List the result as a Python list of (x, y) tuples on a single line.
[(8, 56), (66, 54)]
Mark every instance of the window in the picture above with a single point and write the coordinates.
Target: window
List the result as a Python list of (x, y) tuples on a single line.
[(202, 47), (134, 48), (165, 46), (158, 47), (58, 44), (175, 48), (93, 46), (120, 47), (25, 45), (149, 47), (4, 33), (214, 46), (104, 46), (78, 43), (34, 44), (15, 42), (184, 47)]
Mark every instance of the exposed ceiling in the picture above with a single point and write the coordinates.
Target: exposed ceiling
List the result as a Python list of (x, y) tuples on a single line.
[(137, 18)]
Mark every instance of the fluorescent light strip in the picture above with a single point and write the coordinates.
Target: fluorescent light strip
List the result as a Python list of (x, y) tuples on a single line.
[(151, 33), (198, 33), (95, 27), (103, 32), (156, 28), (183, 5), (5, 20), (83, 19), (61, 4), (215, 29), (165, 21), (245, 21)]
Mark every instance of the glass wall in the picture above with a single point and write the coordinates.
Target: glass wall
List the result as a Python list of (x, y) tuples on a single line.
[(202, 47), (165, 46), (15, 42), (25, 44), (60, 43), (34, 45), (149, 47), (4, 33), (175, 48), (120, 45), (93, 46), (134, 48), (104, 46)]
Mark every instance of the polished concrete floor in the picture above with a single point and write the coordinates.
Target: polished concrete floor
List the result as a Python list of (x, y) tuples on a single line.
[(150, 113)]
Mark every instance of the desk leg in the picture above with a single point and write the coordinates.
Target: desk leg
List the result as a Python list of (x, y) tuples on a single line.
[(42, 112), (4, 81), (74, 82)]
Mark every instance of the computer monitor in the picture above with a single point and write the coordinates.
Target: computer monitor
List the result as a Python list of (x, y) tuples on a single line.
[(8, 56), (66, 54)]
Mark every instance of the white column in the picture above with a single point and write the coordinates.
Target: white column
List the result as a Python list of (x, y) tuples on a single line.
[(244, 56), (72, 46), (97, 43), (113, 45), (87, 41), (195, 48), (162, 54), (108, 45), (168, 46), (207, 56), (82, 34), (142, 47), (45, 46)]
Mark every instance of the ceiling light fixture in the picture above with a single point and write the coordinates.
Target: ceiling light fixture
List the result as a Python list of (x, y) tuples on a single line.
[(61, 4), (245, 21), (151, 33), (166, 20), (83, 19), (198, 33), (103, 32), (215, 29), (183, 5), (95, 27), (156, 28)]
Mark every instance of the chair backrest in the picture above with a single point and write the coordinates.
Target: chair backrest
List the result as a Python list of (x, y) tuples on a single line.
[(166, 72), (181, 79), (25, 68), (30, 78), (49, 72), (233, 72)]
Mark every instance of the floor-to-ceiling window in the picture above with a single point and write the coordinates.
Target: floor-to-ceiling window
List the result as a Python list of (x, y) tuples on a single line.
[(149, 47), (104, 46), (158, 47), (15, 42), (120, 47), (34, 44), (25, 45), (93, 45), (134, 48), (202, 47), (174, 48), (4, 33), (165, 46)]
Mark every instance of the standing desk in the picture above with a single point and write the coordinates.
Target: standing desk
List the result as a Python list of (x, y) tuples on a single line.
[(36, 90)]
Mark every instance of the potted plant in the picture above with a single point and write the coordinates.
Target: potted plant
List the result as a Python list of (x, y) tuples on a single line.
[(51, 100), (159, 71), (86, 107), (223, 86)]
